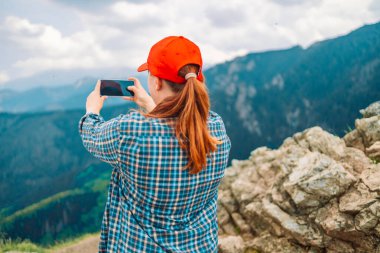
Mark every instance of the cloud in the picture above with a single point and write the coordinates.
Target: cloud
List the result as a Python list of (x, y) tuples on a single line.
[(135, 14), (49, 49), (296, 2), (84, 4), (4, 77), (375, 7), (117, 34), (317, 25), (226, 16)]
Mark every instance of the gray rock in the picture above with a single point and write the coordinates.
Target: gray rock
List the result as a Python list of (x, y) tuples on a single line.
[(281, 198), (316, 180), (266, 243), (228, 201), (337, 224), (356, 198), (315, 193), (371, 177), (259, 223), (244, 190), (316, 139), (377, 230), (354, 139), (223, 216), (230, 229), (231, 244), (374, 151), (262, 155), (342, 226), (355, 161), (372, 110), (240, 223), (304, 232), (369, 129), (367, 219), (230, 175), (338, 246)]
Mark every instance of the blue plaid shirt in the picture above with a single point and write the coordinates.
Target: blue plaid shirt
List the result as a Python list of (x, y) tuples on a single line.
[(153, 205)]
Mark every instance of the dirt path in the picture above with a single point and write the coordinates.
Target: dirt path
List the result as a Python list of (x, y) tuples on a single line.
[(87, 245)]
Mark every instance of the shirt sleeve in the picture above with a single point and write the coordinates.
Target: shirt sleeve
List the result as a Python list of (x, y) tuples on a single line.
[(101, 138), (223, 128)]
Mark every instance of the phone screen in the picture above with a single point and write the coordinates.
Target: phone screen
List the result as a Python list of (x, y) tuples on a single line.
[(116, 88)]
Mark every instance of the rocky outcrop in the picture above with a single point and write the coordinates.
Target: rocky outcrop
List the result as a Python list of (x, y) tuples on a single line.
[(315, 193)]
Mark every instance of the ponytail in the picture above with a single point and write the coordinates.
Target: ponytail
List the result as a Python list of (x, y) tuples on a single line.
[(191, 105)]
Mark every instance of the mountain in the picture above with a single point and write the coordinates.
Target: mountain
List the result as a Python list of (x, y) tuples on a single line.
[(265, 97), (52, 188), (262, 97), (60, 77), (66, 214), (40, 154), (58, 98)]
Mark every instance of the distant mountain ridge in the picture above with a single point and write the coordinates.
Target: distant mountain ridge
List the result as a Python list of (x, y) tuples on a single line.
[(59, 98), (262, 97), (265, 97)]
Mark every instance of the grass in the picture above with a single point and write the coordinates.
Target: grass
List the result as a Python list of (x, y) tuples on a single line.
[(27, 246), (349, 129), (66, 243), (19, 245)]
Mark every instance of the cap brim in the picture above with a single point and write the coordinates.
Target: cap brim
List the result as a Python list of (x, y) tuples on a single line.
[(143, 67)]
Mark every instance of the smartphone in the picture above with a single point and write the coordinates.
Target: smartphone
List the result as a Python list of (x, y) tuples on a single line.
[(116, 88)]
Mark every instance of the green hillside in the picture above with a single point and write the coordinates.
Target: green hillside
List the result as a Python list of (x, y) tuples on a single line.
[(41, 153), (64, 215), (52, 188)]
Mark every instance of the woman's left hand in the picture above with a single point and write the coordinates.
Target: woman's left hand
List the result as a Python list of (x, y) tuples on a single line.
[(94, 101)]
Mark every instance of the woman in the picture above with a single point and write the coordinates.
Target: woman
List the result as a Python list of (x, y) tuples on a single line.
[(167, 160)]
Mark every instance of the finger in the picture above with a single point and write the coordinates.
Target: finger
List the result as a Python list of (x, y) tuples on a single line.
[(127, 98), (136, 81), (131, 88), (97, 88)]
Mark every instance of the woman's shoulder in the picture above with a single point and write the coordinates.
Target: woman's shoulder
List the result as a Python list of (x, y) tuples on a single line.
[(135, 123), (218, 128), (131, 119), (211, 113), (215, 122), (135, 117), (214, 117), (134, 114)]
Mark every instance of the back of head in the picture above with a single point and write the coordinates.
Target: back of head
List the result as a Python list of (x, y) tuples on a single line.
[(178, 62)]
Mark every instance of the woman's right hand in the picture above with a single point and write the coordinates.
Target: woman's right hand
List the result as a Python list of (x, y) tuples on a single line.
[(141, 97)]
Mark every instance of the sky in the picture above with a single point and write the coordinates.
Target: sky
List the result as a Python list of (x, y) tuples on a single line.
[(70, 39)]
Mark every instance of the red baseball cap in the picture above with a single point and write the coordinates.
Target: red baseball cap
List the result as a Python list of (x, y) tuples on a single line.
[(169, 55)]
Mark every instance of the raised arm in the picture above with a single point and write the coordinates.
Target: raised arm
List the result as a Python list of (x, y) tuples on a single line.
[(100, 137)]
